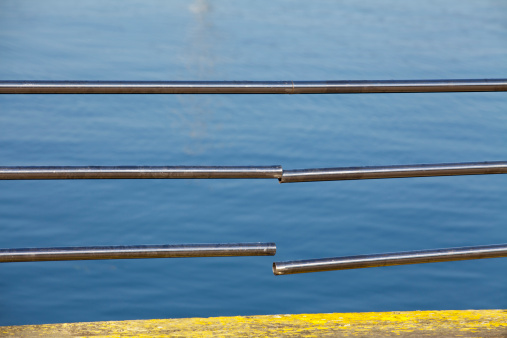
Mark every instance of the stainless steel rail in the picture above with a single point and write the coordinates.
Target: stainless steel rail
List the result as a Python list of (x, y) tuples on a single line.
[(397, 171), (133, 172), (138, 251), (251, 87), (389, 259), (276, 171)]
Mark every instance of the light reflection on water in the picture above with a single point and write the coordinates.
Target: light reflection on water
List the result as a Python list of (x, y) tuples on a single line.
[(224, 40), (199, 57)]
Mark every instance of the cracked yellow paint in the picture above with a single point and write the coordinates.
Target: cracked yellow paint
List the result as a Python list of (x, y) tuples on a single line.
[(469, 323)]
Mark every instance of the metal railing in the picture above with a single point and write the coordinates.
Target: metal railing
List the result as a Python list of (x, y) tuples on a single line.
[(247, 172), (137, 251), (276, 172), (390, 259), (251, 87)]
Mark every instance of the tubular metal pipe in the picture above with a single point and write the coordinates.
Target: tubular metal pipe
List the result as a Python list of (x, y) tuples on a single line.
[(251, 87), (389, 259), (138, 251), (397, 171), (284, 176), (132, 172)]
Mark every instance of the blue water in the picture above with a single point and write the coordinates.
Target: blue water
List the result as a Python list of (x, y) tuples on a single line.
[(257, 40)]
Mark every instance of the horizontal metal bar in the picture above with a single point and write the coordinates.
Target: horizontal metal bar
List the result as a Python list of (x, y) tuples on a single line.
[(137, 251), (133, 172), (251, 87), (389, 259), (284, 176), (397, 171)]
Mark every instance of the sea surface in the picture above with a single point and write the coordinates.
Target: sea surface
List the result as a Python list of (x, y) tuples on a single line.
[(255, 40)]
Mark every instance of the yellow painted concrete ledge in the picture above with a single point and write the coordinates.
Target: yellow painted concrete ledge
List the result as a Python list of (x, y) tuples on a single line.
[(469, 323)]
